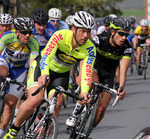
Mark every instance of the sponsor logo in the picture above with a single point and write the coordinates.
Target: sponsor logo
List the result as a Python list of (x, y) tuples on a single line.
[(42, 63), (89, 64), (67, 59), (55, 40)]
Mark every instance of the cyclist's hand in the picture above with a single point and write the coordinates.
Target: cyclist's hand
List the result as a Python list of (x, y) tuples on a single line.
[(86, 100), (121, 94), (41, 80)]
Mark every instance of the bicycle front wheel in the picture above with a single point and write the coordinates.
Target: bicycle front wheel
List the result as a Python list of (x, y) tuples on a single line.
[(86, 126), (49, 130), (143, 134)]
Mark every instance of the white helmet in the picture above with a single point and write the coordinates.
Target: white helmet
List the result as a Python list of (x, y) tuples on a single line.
[(6, 19), (113, 16), (83, 19), (54, 13), (144, 22), (69, 20)]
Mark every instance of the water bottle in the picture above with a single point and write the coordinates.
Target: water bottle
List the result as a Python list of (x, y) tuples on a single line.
[(52, 104)]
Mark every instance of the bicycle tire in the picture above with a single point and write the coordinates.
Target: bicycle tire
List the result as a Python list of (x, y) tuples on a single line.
[(144, 65), (2, 102), (143, 134), (51, 121), (31, 122), (87, 123)]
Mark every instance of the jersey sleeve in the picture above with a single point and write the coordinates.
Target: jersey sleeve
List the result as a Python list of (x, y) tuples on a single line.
[(49, 51), (34, 47), (86, 73), (5, 39), (138, 30)]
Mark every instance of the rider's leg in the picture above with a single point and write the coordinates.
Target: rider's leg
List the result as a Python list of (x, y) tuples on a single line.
[(103, 102)]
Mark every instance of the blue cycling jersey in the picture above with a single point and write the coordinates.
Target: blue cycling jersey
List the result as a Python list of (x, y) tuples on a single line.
[(43, 38), (62, 25)]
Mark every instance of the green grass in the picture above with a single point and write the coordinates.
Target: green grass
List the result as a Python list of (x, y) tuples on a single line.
[(134, 12)]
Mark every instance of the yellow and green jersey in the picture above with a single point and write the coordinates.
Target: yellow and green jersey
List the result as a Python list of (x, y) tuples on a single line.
[(59, 56)]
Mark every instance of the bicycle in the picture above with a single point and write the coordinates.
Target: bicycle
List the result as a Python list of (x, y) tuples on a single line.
[(133, 63), (143, 134), (144, 59), (48, 121), (3, 90), (83, 125), (74, 87)]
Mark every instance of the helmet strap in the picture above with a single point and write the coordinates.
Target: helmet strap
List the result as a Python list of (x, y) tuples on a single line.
[(113, 39), (74, 35)]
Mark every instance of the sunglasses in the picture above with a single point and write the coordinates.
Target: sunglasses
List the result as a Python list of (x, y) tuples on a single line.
[(26, 32), (57, 20), (122, 33)]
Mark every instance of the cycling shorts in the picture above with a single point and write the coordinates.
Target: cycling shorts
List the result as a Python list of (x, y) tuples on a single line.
[(56, 79), (106, 78), (141, 42), (14, 73)]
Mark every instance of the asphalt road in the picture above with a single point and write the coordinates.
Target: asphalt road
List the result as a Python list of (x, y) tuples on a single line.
[(125, 119)]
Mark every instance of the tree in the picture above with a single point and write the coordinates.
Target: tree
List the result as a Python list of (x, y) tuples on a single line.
[(99, 8)]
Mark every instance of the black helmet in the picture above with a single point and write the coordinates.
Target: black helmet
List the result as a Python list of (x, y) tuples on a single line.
[(132, 19), (40, 16), (120, 23), (106, 20), (23, 23)]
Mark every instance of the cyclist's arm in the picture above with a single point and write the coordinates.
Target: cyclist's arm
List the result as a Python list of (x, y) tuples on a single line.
[(86, 73), (125, 62), (34, 47), (135, 41), (47, 55)]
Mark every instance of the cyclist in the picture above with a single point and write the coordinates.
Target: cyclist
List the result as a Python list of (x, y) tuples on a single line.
[(42, 30), (55, 19), (94, 31), (113, 16), (105, 27), (6, 21), (111, 47), (65, 48), (134, 25), (16, 48), (69, 21), (142, 35)]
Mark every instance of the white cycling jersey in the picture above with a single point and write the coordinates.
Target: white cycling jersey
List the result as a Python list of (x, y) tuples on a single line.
[(101, 29)]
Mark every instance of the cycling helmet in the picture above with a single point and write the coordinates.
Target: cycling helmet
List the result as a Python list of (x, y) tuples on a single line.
[(113, 16), (40, 16), (54, 13), (23, 23), (144, 22), (69, 20), (132, 19), (106, 20), (120, 23), (6, 19), (83, 19)]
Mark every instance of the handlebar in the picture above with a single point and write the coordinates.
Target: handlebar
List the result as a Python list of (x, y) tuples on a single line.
[(144, 45), (58, 88), (13, 81), (112, 90)]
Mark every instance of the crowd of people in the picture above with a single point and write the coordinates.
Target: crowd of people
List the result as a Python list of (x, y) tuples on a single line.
[(46, 44)]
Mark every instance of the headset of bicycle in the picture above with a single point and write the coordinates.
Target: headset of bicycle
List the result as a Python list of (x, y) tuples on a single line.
[(6, 21), (82, 19)]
